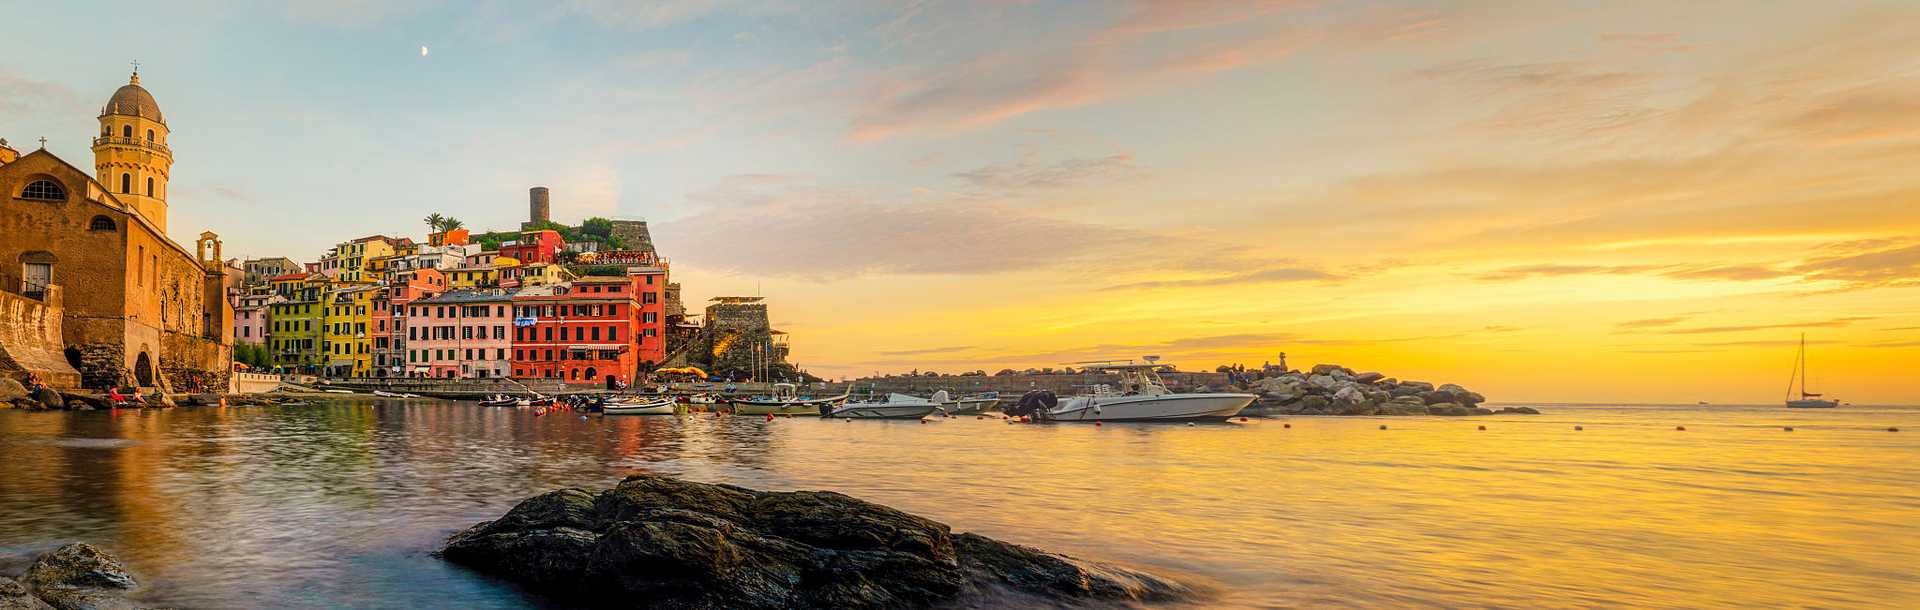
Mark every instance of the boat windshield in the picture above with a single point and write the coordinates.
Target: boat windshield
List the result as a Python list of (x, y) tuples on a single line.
[(1136, 380)]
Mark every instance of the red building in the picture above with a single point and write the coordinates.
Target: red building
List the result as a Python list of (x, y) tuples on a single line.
[(591, 328), (541, 246), (390, 324)]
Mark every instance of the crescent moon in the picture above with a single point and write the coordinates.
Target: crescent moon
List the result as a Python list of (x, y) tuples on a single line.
[(423, 51)]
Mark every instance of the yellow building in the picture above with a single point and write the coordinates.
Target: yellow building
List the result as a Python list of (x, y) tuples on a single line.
[(480, 277), (537, 274), (348, 340), (353, 262)]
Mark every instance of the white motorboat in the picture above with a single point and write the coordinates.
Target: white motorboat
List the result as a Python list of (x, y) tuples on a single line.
[(895, 406), (659, 406), (785, 400), (1807, 400), (971, 405), (1141, 396)]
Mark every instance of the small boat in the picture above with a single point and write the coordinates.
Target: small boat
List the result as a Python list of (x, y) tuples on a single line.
[(1807, 400), (971, 405), (386, 394), (338, 391), (658, 406), (503, 400), (1142, 396), (895, 406), (700, 399), (785, 401)]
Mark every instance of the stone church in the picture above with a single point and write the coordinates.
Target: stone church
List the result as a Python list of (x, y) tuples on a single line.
[(92, 291)]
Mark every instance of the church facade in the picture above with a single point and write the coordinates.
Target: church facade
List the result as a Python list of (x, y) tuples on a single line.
[(136, 308)]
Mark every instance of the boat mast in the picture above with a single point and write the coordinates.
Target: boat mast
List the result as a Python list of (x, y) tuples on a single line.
[(1798, 362)]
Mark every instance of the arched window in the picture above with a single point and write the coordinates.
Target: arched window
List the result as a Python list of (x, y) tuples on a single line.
[(102, 223), (149, 135), (126, 183), (126, 131), (44, 190), (149, 186)]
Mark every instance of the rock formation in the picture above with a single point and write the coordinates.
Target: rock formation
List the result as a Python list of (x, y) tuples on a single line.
[(663, 542), (1331, 389), (73, 577)]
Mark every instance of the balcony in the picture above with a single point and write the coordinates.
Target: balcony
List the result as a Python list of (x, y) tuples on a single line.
[(139, 142)]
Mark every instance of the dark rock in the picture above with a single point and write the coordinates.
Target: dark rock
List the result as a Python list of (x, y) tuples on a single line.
[(1404, 390), (15, 597), (10, 389), (1436, 397), (79, 577), (1368, 377), (1314, 403), (1328, 369), (1519, 410), (1448, 408), (664, 542), (1418, 386), (49, 397)]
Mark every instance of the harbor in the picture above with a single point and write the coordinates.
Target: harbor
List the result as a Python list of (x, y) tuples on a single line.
[(344, 500)]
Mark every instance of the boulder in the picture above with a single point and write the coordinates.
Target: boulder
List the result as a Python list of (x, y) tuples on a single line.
[(1349, 395), (79, 576), (50, 398), (1405, 391), (10, 389), (1323, 382), (1448, 408), (1418, 386), (678, 544), (1436, 397), (1315, 403), (1324, 369), (1519, 410), (1368, 377), (15, 597)]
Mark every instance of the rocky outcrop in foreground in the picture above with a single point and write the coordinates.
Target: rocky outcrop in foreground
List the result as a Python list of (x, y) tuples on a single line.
[(662, 542), (1331, 389), (73, 577)]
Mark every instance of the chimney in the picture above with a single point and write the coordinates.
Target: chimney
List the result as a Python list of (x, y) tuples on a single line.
[(537, 208)]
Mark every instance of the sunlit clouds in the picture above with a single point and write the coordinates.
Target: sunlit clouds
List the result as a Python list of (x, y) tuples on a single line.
[(1540, 201)]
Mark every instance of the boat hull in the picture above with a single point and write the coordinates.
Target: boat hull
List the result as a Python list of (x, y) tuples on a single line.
[(657, 407), (1164, 407), (883, 411), (1812, 404), (766, 407), (969, 406)]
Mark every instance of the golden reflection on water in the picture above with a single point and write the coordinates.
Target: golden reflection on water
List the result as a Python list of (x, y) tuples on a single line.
[(339, 504)]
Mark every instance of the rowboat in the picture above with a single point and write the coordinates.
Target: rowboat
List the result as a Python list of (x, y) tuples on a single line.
[(659, 406)]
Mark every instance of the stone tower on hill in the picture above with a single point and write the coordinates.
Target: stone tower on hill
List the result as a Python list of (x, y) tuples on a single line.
[(539, 208), (634, 233)]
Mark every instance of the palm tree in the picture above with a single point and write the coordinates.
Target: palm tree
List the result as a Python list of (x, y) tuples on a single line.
[(451, 223), (434, 221)]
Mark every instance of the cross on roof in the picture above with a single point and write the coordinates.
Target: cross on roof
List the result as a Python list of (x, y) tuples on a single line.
[(43, 142), (136, 66)]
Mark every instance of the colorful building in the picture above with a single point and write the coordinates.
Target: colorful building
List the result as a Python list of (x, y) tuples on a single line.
[(347, 341), (460, 334), (250, 317), (580, 332), (541, 246), (535, 274), (475, 278), (403, 288)]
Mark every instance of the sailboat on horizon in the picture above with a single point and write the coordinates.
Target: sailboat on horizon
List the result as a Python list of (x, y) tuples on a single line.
[(1807, 400)]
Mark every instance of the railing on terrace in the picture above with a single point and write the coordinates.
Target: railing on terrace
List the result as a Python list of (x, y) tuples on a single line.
[(133, 142)]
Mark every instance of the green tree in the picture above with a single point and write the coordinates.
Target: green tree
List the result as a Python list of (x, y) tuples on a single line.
[(434, 221), (597, 227), (451, 223)]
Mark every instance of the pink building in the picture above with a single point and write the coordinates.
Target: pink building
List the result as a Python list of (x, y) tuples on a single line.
[(390, 338), (250, 317), (460, 334)]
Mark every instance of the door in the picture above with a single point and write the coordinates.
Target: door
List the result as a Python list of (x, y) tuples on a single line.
[(34, 282)]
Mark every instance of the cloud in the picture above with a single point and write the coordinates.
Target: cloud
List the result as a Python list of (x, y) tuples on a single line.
[(1663, 42), (20, 95), (787, 226), (1728, 272), (1521, 272), (1764, 343), (926, 351), (1893, 344), (1833, 323), (1894, 266), (1652, 322), (1026, 175), (1264, 276)]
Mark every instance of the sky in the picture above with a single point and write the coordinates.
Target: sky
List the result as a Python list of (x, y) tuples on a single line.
[(1543, 201)]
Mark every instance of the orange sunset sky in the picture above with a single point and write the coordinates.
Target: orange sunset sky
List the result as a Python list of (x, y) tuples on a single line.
[(1616, 201)]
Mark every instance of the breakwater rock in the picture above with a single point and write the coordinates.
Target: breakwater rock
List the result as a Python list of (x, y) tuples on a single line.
[(73, 577), (1331, 389), (663, 542)]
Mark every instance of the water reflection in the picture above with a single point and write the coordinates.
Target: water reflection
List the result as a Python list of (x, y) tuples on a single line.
[(340, 504)]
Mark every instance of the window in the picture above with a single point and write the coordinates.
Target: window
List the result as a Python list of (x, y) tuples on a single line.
[(499, 332), (149, 135), (596, 333), (613, 333), (649, 298), (126, 131), (126, 183), (149, 186), (44, 190), (102, 223)]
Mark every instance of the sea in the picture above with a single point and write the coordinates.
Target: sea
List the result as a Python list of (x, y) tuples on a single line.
[(341, 503)]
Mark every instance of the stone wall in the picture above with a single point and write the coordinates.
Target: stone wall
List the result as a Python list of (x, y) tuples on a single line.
[(254, 383), (30, 339), (191, 363)]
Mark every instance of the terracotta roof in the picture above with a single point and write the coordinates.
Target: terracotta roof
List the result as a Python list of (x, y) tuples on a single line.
[(133, 100), (290, 276)]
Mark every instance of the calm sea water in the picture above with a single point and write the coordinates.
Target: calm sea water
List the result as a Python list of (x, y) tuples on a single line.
[(339, 505)]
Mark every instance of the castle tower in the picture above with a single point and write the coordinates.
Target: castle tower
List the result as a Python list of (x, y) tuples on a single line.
[(131, 156), (539, 212)]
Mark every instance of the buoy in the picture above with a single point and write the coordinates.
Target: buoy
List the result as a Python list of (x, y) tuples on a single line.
[(979, 417), (1383, 426), (1680, 428), (1789, 428), (1892, 429), (1577, 428), (1096, 423), (1243, 419), (1483, 427), (923, 421), (1189, 424), (1286, 425), (769, 417), (583, 417)]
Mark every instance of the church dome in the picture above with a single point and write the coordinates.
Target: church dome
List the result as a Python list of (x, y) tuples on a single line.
[(133, 100)]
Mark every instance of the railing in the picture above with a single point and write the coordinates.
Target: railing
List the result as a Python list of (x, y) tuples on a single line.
[(133, 142)]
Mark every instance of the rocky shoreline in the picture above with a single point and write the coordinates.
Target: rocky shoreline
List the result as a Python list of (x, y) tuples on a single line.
[(664, 542), (77, 576), (1331, 389)]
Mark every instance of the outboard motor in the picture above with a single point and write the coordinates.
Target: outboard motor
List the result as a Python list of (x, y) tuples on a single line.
[(1034, 401)]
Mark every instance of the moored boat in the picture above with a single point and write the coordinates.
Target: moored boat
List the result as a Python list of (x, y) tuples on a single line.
[(894, 406), (1141, 396), (1807, 400), (972, 404), (657, 406), (785, 401)]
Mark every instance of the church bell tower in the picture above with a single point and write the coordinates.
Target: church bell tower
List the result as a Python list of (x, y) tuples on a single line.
[(131, 157)]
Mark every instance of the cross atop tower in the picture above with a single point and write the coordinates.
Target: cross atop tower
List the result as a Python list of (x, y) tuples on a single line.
[(43, 142), (136, 66)]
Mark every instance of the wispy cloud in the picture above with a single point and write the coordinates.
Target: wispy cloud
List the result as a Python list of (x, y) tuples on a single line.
[(1652, 322), (21, 95), (1027, 175), (1833, 323), (925, 351), (1263, 276)]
